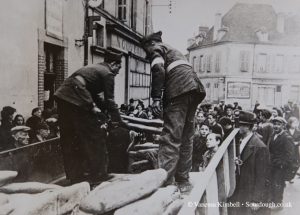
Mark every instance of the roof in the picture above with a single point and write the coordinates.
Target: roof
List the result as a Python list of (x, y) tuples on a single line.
[(243, 20)]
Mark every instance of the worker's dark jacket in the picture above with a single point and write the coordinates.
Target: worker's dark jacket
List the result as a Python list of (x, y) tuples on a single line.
[(179, 80), (98, 78)]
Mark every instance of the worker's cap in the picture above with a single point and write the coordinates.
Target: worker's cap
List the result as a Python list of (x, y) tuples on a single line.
[(113, 56), (19, 128), (152, 37), (279, 119), (246, 117)]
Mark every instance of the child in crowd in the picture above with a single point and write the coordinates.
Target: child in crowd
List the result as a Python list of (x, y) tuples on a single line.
[(212, 143), (199, 145)]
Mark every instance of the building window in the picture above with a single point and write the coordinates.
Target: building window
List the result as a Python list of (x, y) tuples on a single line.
[(194, 62), (278, 64), (216, 85), (100, 36), (209, 62), (295, 64), (262, 63), (218, 61), (295, 93), (201, 64), (244, 61), (122, 10), (207, 85)]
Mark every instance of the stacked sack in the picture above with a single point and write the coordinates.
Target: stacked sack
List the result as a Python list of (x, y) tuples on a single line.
[(133, 195), (34, 198)]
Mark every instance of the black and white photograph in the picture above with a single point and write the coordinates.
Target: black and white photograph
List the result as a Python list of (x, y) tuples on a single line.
[(150, 107)]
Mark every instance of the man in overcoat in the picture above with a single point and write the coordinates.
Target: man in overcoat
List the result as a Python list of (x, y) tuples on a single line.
[(82, 139), (282, 152), (252, 185), (176, 84)]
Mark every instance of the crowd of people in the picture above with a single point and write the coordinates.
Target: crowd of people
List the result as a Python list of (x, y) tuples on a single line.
[(272, 135), (16, 132)]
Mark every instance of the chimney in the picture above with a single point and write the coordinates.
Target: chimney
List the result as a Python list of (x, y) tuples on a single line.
[(280, 22), (190, 41), (217, 25)]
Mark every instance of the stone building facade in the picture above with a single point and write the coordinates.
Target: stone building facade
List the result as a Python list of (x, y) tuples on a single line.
[(251, 54), (42, 44)]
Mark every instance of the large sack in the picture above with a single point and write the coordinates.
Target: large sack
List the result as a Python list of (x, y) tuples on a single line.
[(153, 205), (51, 202), (7, 176), (27, 187), (120, 193)]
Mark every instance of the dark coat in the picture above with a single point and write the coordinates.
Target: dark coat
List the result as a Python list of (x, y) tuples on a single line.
[(178, 81), (252, 184), (217, 129), (98, 78), (282, 151)]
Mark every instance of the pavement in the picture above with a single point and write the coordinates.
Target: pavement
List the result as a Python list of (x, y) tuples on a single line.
[(291, 197)]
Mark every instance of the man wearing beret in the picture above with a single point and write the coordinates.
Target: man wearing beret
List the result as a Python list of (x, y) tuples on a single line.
[(252, 183), (282, 152), (82, 140), (174, 82)]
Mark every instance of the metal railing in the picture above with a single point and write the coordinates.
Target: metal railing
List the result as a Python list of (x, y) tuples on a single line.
[(215, 184)]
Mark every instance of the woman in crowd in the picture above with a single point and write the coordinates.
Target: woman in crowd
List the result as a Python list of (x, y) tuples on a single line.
[(140, 112), (212, 143), (34, 121), (199, 145), (18, 120)]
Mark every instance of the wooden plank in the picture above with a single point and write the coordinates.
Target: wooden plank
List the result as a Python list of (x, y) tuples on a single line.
[(212, 195), (204, 178), (145, 128), (148, 122), (226, 173), (232, 166)]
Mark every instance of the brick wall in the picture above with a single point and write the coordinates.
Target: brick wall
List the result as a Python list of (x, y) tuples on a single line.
[(61, 70)]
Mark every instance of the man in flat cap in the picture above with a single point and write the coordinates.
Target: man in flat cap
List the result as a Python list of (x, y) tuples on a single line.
[(174, 82), (20, 136), (82, 140), (252, 183), (282, 152)]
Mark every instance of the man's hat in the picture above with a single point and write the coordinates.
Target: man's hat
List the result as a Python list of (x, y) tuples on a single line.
[(111, 56), (19, 128), (246, 117), (279, 119), (152, 37)]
